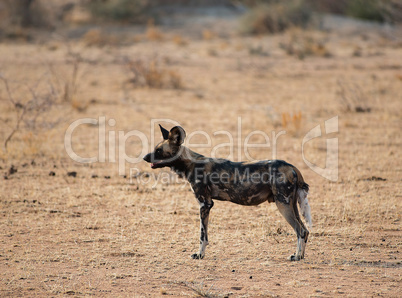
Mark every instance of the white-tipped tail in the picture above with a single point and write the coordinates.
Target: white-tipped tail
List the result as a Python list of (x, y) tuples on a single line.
[(304, 206)]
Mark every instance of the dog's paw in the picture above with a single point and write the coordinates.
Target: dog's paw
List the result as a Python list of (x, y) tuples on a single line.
[(294, 258), (197, 256)]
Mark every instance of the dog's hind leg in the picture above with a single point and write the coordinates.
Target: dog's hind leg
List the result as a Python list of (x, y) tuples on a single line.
[(288, 208), (205, 207)]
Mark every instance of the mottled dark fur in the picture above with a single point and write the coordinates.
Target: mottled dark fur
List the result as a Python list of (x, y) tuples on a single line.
[(244, 183)]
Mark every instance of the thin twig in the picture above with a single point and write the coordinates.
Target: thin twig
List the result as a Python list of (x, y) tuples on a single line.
[(16, 128), (10, 97)]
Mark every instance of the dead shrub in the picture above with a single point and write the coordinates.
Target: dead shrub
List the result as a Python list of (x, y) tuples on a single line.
[(276, 16), (28, 113), (133, 11), (27, 13), (67, 79), (71, 82), (375, 10), (150, 74)]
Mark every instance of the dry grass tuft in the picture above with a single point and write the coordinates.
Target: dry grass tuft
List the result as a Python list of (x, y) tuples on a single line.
[(257, 50), (153, 33), (208, 34), (175, 80), (32, 143), (153, 75), (302, 45), (17, 33), (398, 76), (352, 98), (292, 122), (95, 37), (213, 52), (79, 104), (179, 40)]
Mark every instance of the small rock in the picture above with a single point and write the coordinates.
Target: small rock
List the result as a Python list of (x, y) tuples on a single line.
[(12, 170), (360, 109), (107, 177), (51, 173), (72, 174)]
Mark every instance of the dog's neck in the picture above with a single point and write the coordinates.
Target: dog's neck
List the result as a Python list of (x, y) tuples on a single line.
[(187, 161)]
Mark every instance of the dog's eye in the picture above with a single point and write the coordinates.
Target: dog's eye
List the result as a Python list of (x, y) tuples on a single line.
[(158, 151)]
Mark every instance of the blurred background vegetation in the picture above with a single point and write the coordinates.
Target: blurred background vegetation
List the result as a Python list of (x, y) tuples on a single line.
[(270, 16), (261, 16)]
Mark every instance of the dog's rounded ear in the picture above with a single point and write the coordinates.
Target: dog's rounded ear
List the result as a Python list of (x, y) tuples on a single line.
[(177, 135), (165, 132)]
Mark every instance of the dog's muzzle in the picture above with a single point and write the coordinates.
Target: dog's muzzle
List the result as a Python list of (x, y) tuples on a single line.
[(147, 157)]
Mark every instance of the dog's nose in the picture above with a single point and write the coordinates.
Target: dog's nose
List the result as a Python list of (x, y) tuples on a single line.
[(147, 157)]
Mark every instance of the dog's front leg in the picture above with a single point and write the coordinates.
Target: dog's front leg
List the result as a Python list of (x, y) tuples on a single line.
[(205, 207)]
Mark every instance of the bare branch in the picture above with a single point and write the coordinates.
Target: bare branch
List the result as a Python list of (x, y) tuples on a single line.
[(10, 97), (29, 111)]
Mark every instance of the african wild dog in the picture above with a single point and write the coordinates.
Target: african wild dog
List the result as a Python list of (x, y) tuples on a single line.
[(244, 183)]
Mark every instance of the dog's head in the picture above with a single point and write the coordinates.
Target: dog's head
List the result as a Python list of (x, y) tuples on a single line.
[(167, 151)]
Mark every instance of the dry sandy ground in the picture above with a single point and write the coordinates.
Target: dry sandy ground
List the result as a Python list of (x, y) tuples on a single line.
[(103, 234)]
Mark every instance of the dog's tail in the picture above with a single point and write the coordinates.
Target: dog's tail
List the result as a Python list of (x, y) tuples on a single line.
[(303, 204), (302, 192)]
